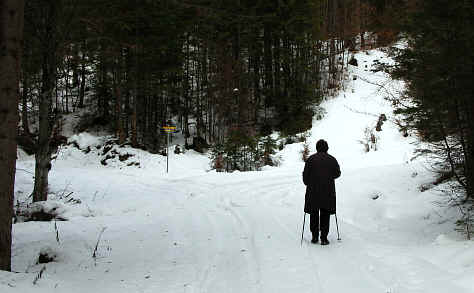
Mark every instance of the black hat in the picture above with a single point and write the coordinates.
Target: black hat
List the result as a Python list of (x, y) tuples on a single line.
[(322, 146)]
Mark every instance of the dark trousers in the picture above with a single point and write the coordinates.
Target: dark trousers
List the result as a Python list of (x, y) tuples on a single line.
[(319, 221)]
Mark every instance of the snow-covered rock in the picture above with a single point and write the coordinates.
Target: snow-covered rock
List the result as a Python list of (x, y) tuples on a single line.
[(84, 140)]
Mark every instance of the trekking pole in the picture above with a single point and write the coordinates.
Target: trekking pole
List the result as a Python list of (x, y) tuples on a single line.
[(337, 227), (302, 232)]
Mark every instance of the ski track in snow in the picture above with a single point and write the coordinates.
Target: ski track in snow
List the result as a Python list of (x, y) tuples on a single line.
[(202, 232)]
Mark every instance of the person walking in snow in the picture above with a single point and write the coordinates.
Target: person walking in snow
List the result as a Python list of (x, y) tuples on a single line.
[(319, 173)]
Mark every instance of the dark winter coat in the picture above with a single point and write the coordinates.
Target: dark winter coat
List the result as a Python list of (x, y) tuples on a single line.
[(319, 173)]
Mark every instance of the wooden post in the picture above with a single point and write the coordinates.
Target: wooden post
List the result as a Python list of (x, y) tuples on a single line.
[(167, 150)]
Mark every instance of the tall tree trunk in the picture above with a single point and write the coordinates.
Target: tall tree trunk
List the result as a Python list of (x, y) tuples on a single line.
[(267, 57), (66, 87), (24, 107), (82, 86), (117, 86), (257, 50), (49, 68), (133, 126), (127, 88), (276, 66), (103, 95), (118, 113), (11, 37)]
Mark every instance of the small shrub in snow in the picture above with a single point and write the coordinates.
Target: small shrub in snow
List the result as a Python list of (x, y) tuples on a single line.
[(303, 137), (424, 187), (39, 275), (219, 163), (46, 255), (124, 157), (466, 222), (402, 127), (319, 112), (305, 152), (163, 152), (369, 140), (290, 140), (381, 120), (104, 160), (106, 149), (41, 211), (177, 149), (277, 161), (217, 157), (200, 145), (443, 176), (353, 61), (281, 145)]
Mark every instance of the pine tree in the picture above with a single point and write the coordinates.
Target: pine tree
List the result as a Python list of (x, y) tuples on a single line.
[(437, 65)]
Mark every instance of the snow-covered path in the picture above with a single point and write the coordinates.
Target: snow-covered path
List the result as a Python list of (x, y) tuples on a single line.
[(203, 232), (233, 233)]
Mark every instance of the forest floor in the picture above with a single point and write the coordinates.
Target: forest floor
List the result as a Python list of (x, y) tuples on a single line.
[(195, 230)]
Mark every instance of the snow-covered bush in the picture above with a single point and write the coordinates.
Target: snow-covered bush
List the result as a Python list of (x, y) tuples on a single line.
[(370, 140), (243, 152), (84, 140), (41, 211), (46, 255)]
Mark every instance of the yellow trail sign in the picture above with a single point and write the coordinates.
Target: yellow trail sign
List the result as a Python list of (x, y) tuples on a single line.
[(169, 128)]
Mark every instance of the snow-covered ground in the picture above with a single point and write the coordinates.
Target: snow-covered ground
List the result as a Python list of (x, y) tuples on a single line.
[(195, 230)]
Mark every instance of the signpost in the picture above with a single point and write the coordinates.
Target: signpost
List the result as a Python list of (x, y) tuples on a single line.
[(168, 130)]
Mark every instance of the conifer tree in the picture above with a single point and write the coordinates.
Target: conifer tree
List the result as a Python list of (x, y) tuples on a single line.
[(437, 65)]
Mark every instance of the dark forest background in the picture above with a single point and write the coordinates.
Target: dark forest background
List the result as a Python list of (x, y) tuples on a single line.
[(226, 72)]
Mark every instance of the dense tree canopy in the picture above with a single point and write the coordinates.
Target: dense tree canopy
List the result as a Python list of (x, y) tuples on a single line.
[(437, 66), (211, 66)]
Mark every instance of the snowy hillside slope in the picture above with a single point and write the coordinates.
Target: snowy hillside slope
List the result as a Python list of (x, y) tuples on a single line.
[(197, 231)]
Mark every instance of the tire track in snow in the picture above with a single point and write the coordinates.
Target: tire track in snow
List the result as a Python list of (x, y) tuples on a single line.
[(233, 200), (206, 277), (248, 240), (203, 216), (223, 216)]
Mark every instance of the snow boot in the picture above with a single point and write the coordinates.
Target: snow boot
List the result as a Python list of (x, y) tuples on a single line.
[(324, 241), (315, 239)]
